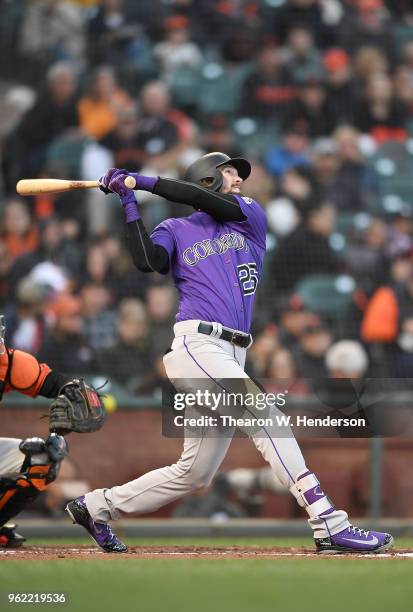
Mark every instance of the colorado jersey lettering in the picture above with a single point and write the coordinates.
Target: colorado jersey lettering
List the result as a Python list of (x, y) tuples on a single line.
[(216, 266)]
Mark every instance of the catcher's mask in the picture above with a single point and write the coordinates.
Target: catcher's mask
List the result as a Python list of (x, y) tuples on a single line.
[(207, 167), (2, 333)]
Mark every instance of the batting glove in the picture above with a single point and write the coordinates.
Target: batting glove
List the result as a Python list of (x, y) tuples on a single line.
[(114, 182), (106, 178)]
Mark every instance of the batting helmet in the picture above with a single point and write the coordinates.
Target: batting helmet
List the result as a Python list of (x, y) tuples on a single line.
[(207, 167)]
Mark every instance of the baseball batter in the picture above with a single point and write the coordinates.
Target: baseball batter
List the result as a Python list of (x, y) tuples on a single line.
[(215, 256)]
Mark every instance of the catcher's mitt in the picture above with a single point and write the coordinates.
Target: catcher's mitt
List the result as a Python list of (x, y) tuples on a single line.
[(78, 407)]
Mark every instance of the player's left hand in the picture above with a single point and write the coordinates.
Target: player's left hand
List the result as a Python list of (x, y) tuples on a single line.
[(112, 173)]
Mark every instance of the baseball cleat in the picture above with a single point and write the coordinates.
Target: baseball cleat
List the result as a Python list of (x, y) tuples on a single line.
[(355, 540), (100, 532), (9, 538)]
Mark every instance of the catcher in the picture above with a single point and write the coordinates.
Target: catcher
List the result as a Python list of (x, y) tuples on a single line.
[(28, 466)]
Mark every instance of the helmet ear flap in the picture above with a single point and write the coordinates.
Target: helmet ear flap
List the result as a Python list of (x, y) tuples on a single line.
[(217, 180)]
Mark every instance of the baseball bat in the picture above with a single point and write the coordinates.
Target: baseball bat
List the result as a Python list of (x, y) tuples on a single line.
[(27, 187)]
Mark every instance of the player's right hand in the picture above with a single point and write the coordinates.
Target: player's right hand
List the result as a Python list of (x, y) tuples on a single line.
[(105, 180)]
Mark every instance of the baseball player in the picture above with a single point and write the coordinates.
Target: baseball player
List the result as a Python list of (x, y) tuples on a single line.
[(28, 466), (215, 257)]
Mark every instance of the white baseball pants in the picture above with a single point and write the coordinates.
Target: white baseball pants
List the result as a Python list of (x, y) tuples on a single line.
[(197, 356)]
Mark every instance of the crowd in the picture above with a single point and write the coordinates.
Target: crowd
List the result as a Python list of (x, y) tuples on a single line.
[(318, 94)]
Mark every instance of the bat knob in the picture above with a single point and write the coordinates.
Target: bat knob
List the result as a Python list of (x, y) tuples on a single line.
[(130, 182)]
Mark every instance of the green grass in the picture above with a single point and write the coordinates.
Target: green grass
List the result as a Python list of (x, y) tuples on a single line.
[(215, 585)]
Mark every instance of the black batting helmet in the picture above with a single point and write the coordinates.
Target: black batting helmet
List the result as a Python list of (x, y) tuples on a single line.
[(207, 168)]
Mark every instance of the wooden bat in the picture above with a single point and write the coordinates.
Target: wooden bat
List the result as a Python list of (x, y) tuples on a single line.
[(29, 187)]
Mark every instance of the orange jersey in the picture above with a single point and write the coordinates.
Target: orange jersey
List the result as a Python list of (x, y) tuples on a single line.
[(20, 371)]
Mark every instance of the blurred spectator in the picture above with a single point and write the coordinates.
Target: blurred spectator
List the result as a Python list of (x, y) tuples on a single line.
[(368, 26), (25, 321), (99, 320), (388, 319), (124, 142), (123, 279), (368, 61), (53, 114), (64, 344), (400, 235), (340, 394), (162, 126), (347, 359), (96, 264), (131, 357), (326, 165), (310, 111), (307, 250), (354, 180), (401, 9), (403, 87), (292, 151), (54, 248), (161, 304), (281, 365), (310, 353), (51, 30), (293, 321), (177, 50), (309, 13), (18, 231), (301, 56), (158, 134), (99, 109), (268, 90), (282, 217), (283, 374), (379, 113), (113, 36), (235, 26), (367, 259), (407, 55), (299, 185), (341, 181), (341, 90)]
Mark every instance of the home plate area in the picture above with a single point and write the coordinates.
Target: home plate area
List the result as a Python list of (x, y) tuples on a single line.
[(209, 552)]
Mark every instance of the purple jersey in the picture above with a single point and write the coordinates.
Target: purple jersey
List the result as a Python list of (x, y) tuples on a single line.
[(216, 266)]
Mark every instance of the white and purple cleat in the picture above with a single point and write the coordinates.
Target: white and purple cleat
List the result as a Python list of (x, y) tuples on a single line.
[(101, 533), (355, 540)]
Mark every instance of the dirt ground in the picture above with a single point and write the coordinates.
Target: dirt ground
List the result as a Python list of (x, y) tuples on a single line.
[(152, 552)]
